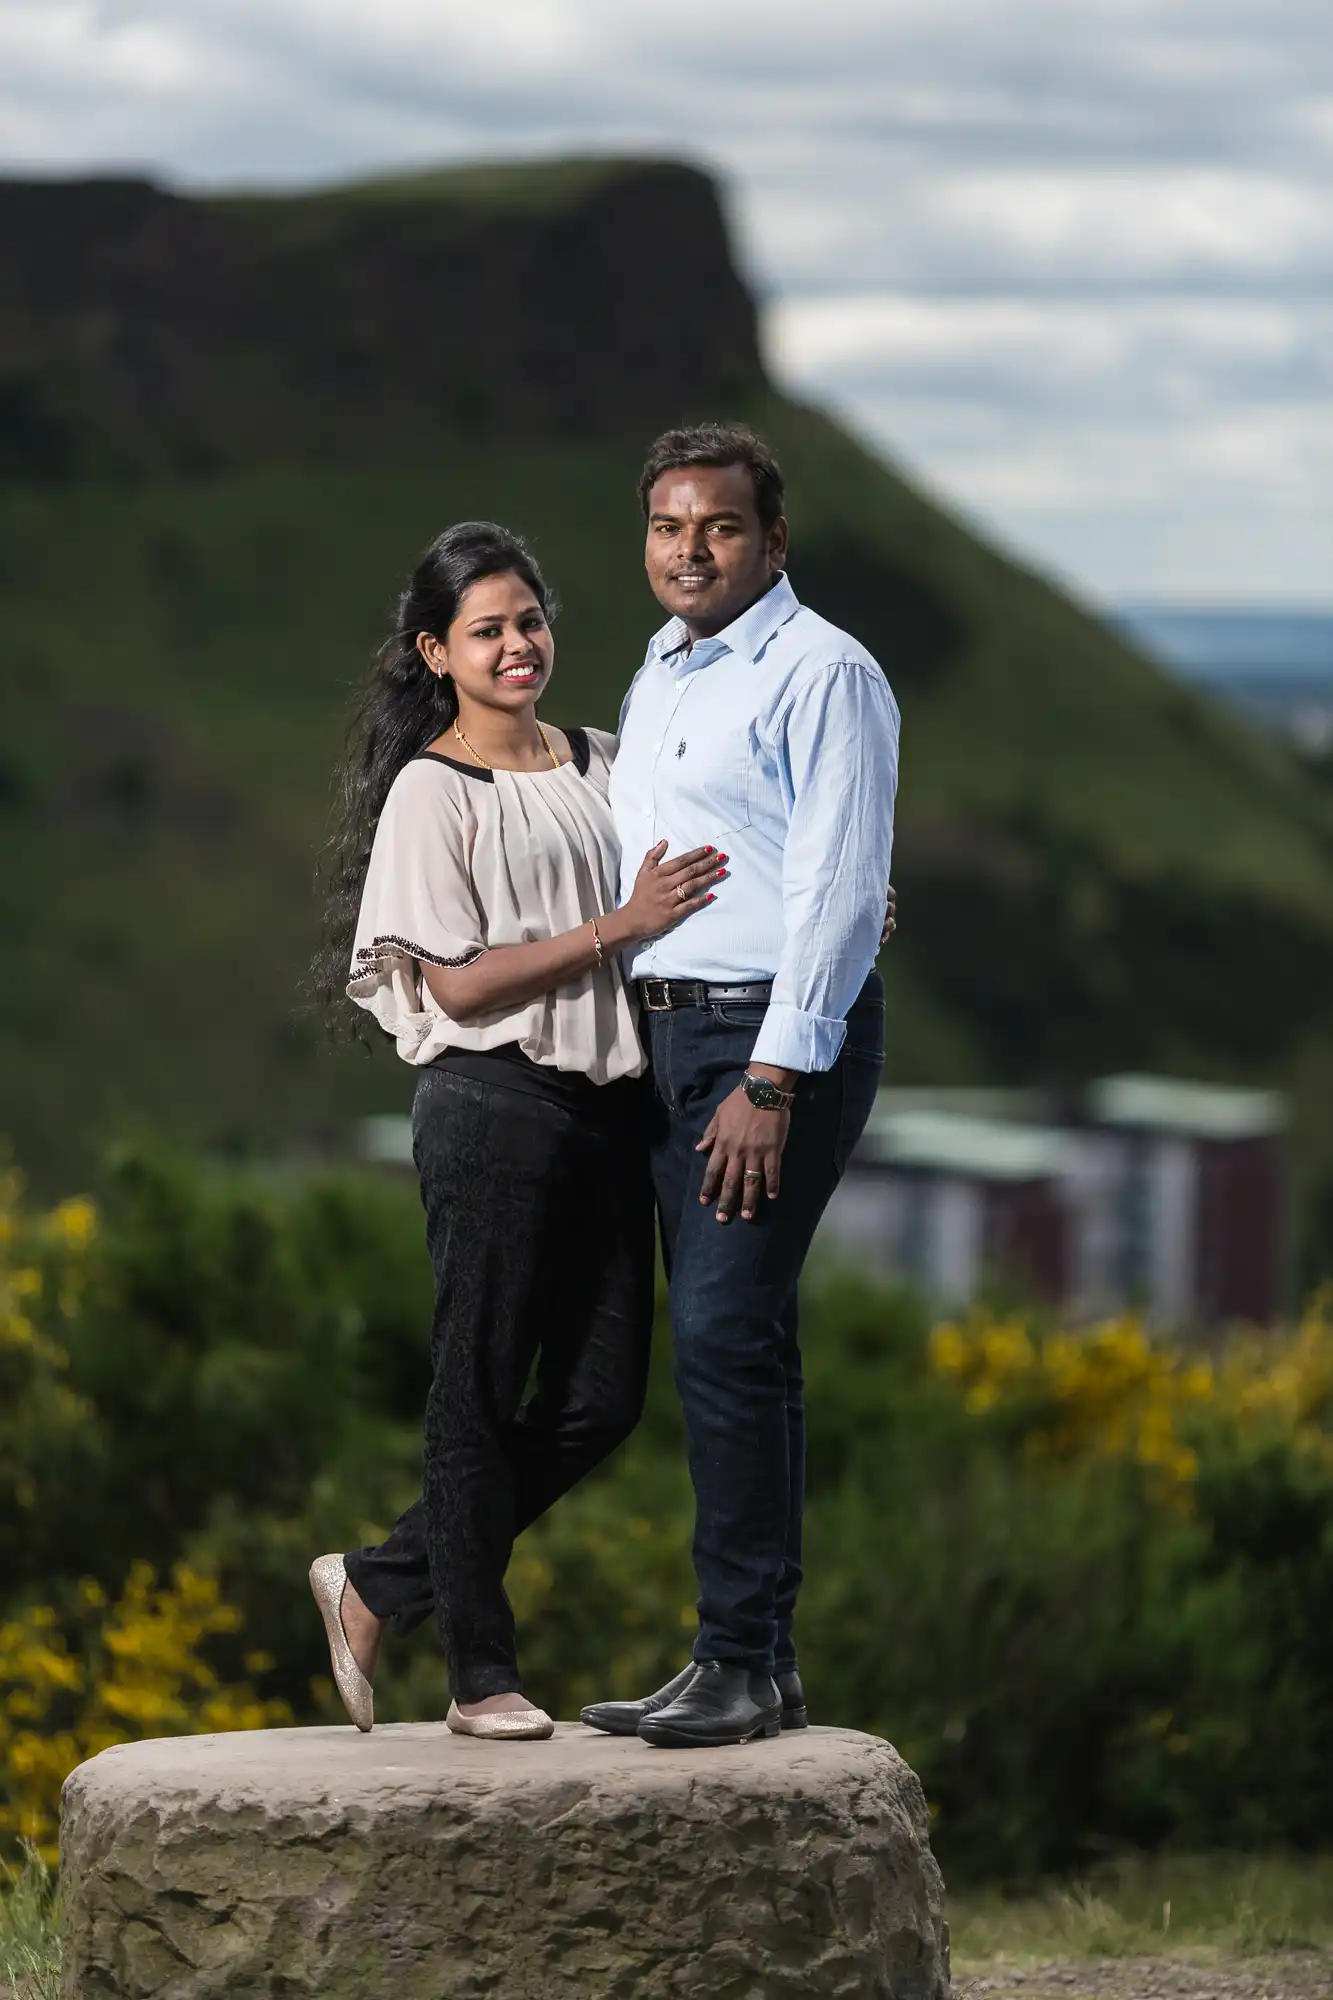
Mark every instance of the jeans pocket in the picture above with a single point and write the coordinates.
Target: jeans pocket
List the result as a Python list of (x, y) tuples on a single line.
[(740, 1013), (865, 1034), (860, 1087)]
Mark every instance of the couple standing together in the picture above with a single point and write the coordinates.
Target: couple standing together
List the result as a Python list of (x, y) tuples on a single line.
[(698, 1032)]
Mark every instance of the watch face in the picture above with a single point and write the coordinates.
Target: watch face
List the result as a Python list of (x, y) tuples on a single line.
[(763, 1093)]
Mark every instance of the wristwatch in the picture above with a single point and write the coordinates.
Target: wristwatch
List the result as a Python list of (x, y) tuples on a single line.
[(764, 1094)]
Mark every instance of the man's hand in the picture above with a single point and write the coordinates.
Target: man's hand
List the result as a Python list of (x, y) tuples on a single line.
[(745, 1147)]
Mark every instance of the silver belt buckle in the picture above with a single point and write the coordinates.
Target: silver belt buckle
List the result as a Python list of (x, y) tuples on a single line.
[(656, 1005)]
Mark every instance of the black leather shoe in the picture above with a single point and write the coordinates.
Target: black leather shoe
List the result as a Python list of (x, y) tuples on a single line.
[(719, 1704), (793, 1700), (622, 1718)]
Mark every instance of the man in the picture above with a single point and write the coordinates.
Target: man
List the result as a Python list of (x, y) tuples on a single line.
[(755, 725)]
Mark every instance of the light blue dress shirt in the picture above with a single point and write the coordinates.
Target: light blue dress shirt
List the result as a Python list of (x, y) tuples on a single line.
[(776, 741)]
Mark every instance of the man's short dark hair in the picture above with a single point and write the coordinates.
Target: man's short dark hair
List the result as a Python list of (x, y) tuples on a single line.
[(717, 444)]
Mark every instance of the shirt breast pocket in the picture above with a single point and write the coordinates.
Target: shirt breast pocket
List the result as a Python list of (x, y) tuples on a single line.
[(720, 775)]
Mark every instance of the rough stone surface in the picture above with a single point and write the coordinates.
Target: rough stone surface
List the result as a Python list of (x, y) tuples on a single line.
[(413, 1863)]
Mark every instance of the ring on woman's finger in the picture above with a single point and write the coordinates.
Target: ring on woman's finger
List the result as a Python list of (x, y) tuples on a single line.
[(752, 1174), (683, 893)]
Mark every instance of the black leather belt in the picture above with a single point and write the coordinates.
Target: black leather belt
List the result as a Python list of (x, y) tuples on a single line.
[(660, 996)]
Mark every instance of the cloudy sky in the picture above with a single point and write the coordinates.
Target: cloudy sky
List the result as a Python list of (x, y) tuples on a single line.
[(1070, 263)]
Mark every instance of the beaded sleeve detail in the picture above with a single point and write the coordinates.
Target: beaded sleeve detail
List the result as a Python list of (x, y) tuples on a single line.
[(373, 956)]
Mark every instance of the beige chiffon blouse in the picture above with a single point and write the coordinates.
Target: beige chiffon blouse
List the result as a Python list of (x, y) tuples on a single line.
[(464, 860)]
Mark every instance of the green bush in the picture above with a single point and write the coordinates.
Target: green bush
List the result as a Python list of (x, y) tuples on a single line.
[(224, 1373)]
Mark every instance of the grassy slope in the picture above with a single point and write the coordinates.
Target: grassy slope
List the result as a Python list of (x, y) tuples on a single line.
[(177, 654), (488, 186), (1233, 1904)]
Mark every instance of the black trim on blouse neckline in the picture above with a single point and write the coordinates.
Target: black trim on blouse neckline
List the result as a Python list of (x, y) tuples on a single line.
[(578, 743), (477, 771)]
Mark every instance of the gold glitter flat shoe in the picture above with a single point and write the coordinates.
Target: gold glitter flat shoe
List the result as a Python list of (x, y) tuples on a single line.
[(517, 1725), (328, 1580)]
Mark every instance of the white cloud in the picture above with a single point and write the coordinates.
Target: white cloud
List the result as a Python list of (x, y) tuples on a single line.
[(1160, 445), (1070, 263), (1146, 222), (1051, 348)]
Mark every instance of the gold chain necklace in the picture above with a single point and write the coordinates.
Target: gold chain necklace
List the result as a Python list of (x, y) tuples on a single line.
[(546, 745)]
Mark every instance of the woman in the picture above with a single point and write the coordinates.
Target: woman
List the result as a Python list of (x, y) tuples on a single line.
[(474, 897)]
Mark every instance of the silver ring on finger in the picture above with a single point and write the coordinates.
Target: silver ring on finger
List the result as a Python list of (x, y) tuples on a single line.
[(682, 894), (752, 1174)]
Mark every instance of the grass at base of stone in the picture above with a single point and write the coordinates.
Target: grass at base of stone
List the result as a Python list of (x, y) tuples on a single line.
[(1233, 1906), (29, 1942)]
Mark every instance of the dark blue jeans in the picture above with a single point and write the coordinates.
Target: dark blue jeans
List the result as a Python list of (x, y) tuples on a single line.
[(734, 1312)]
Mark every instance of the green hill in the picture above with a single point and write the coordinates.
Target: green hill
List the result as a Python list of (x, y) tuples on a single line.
[(224, 434)]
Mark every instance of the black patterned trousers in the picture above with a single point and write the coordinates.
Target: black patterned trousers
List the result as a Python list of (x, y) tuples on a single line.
[(539, 1220)]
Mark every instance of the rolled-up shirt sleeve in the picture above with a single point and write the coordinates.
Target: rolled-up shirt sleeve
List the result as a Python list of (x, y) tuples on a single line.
[(838, 750)]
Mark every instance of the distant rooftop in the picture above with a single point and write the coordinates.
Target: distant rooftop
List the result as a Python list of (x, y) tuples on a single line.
[(1009, 1135), (1033, 1105), (946, 1142), (1195, 1110), (385, 1140)]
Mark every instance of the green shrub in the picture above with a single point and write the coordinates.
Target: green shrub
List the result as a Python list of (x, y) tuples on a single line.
[(212, 1368)]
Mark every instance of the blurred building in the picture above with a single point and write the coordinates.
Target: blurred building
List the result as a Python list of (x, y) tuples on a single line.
[(1150, 1193), (1146, 1193)]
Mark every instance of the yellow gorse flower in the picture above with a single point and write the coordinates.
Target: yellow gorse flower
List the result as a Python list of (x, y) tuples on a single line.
[(73, 1222), (103, 1673), (1112, 1391), (1290, 1382), (28, 1243), (134, 1669), (1108, 1392)]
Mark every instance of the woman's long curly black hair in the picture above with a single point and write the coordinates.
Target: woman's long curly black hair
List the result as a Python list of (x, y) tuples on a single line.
[(402, 708)]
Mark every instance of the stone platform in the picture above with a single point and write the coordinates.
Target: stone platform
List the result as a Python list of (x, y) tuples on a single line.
[(416, 1865)]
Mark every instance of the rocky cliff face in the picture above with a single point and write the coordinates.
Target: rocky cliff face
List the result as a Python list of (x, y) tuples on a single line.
[(143, 328)]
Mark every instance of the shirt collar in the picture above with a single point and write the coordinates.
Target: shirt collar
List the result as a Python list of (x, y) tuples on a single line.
[(746, 636)]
